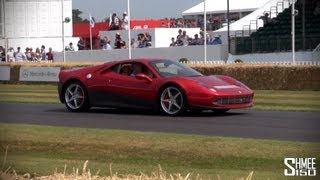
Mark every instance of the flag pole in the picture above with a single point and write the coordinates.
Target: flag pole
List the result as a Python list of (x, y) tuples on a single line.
[(90, 33), (129, 28), (293, 32), (63, 21), (205, 32), (90, 26), (6, 47)]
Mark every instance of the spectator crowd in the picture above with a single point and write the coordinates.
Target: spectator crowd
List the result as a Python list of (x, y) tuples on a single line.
[(183, 39), (143, 40), (18, 55)]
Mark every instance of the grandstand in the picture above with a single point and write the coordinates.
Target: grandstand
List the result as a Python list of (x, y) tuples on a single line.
[(275, 36)]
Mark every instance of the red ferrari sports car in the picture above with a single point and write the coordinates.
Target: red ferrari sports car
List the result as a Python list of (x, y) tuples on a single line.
[(157, 84)]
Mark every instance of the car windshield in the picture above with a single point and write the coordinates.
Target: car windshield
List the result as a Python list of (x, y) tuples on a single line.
[(169, 68)]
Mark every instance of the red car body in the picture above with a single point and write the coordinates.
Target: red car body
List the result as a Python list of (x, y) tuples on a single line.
[(169, 86)]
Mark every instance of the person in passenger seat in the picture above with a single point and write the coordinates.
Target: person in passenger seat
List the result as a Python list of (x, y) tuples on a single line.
[(125, 70)]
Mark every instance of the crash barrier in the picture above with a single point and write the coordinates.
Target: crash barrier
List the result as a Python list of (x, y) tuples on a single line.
[(4, 73), (214, 52), (264, 77)]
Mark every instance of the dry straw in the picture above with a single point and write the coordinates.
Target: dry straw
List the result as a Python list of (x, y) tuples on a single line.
[(86, 174)]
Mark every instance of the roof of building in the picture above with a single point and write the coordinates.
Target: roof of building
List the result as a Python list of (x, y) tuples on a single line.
[(220, 6)]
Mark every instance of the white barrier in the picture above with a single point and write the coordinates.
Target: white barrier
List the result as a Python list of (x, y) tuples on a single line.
[(40, 74), (4, 73)]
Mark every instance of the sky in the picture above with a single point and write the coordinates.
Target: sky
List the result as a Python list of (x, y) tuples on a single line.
[(140, 9)]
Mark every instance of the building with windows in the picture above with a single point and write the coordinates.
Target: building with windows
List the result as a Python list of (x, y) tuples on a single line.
[(32, 23)]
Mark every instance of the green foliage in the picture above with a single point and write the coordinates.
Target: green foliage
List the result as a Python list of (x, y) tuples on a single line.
[(238, 61), (42, 149), (76, 16), (183, 60)]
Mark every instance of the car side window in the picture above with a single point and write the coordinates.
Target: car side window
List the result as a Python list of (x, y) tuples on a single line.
[(116, 68), (131, 69), (126, 69)]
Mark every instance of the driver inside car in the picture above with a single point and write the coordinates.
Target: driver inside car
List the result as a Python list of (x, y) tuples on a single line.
[(137, 68)]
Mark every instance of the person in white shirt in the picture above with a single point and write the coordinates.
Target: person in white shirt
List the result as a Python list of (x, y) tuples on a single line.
[(20, 56), (10, 54), (125, 21)]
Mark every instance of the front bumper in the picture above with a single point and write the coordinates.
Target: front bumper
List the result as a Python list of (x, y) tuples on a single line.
[(222, 102)]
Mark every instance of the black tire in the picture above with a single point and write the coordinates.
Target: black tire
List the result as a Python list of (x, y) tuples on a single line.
[(76, 97), (172, 100)]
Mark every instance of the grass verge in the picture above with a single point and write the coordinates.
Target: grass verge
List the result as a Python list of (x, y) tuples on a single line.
[(39, 150), (264, 99)]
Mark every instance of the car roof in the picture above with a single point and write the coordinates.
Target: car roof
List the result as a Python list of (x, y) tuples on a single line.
[(140, 60)]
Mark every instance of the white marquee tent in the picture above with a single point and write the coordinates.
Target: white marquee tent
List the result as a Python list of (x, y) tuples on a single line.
[(220, 6)]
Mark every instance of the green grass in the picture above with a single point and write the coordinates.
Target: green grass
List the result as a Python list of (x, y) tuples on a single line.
[(264, 99), (42, 149)]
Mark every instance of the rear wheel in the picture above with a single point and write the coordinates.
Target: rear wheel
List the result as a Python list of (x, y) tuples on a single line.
[(172, 100), (75, 97)]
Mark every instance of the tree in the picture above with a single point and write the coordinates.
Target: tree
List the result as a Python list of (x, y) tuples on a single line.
[(76, 16)]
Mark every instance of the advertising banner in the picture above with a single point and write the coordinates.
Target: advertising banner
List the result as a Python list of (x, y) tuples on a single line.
[(43, 74), (4, 73)]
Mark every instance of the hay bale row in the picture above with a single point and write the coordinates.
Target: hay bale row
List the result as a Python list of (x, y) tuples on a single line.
[(269, 77)]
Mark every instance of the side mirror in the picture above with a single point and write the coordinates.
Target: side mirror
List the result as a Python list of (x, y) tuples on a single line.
[(142, 76)]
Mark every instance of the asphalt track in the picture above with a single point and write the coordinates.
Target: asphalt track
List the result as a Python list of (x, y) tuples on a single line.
[(293, 126)]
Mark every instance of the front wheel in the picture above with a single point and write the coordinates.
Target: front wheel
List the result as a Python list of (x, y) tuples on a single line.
[(172, 100), (75, 97)]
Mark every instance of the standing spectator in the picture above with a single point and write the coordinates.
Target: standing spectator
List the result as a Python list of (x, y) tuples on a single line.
[(28, 54), (196, 40), (114, 25), (43, 53), (37, 55), (81, 45), (97, 43), (179, 33), (50, 54), (2, 54), (108, 45), (125, 21), (10, 55), (133, 43), (103, 43), (173, 43), (119, 43), (200, 22), (20, 56), (179, 24), (216, 40), (70, 47), (179, 41), (201, 38), (210, 40), (184, 38), (148, 39), (265, 18), (216, 22), (141, 41)]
